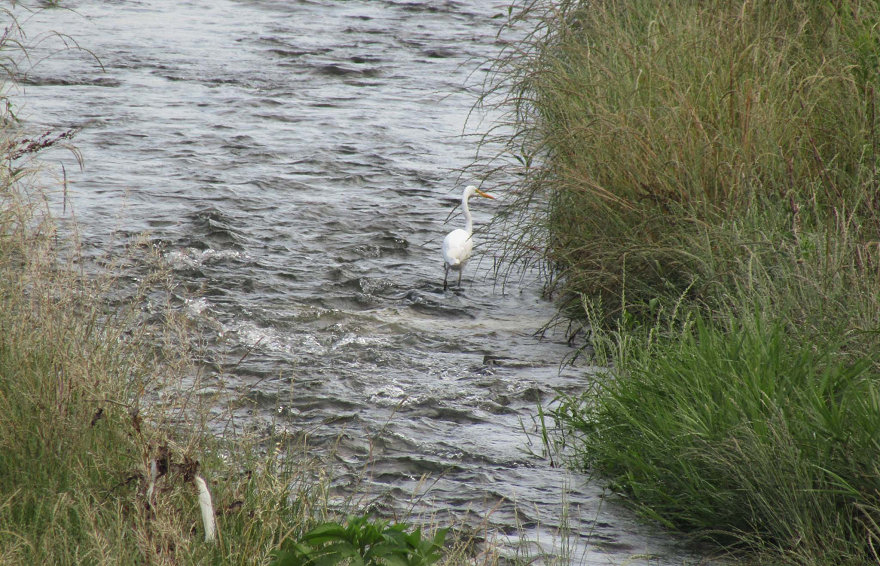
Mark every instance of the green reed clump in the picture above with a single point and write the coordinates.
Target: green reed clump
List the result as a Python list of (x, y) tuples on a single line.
[(700, 182), (646, 131), (746, 435)]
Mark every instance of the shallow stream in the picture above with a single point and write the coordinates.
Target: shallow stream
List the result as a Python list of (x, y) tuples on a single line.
[(295, 160)]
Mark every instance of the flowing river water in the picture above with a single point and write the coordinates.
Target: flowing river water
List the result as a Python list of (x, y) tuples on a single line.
[(295, 161)]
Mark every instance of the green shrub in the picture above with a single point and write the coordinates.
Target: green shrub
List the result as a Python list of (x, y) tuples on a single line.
[(361, 541)]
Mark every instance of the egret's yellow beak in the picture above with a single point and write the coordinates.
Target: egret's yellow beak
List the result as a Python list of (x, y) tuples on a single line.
[(482, 194)]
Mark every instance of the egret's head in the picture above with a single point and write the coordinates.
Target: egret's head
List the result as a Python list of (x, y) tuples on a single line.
[(471, 190)]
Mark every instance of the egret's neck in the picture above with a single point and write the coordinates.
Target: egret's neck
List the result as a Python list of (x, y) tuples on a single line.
[(468, 221)]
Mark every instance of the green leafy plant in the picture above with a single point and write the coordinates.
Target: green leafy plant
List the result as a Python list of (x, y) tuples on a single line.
[(362, 541)]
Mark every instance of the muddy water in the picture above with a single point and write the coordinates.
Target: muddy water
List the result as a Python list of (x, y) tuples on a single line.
[(294, 159)]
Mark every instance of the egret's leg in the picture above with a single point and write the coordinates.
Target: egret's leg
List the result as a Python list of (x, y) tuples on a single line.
[(445, 274), (459, 277)]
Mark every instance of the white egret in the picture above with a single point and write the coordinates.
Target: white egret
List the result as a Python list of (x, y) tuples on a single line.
[(458, 244)]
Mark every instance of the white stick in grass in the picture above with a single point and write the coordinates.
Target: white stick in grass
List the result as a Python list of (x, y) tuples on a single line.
[(154, 474), (207, 508)]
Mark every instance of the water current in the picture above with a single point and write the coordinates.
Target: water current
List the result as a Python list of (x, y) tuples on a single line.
[(295, 161)]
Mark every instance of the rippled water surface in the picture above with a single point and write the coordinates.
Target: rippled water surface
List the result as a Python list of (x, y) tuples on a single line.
[(295, 160)]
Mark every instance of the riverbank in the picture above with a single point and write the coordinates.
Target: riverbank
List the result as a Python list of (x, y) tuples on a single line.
[(701, 184)]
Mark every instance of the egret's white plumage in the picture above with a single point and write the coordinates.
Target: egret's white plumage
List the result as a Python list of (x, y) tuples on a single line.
[(458, 244)]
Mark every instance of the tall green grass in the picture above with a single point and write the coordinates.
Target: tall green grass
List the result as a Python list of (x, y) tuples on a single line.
[(746, 435), (673, 142), (700, 182)]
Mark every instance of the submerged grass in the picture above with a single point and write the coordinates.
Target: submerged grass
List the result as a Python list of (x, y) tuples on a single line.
[(674, 141), (700, 183)]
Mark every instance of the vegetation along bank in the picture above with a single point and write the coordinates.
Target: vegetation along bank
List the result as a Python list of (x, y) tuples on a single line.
[(700, 181)]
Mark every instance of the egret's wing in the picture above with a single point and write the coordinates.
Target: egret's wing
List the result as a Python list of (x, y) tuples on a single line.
[(457, 247)]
